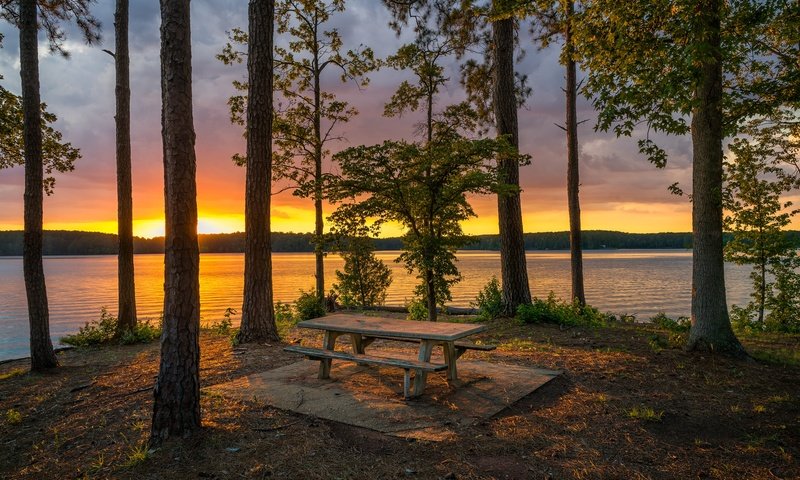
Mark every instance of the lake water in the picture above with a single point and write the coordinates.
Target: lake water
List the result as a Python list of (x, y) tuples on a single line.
[(640, 282)]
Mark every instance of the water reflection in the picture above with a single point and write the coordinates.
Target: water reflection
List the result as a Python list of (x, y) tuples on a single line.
[(624, 281)]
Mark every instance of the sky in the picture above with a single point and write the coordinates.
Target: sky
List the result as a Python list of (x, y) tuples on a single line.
[(620, 190)]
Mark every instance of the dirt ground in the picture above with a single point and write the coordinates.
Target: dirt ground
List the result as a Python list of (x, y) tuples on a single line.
[(627, 406)]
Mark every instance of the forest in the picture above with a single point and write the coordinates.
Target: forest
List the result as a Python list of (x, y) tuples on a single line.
[(64, 242)]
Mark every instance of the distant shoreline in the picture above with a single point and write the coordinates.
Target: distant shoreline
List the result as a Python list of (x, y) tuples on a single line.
[(72, 243)]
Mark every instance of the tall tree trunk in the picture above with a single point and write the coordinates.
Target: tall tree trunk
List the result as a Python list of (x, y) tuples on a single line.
[(711, 327), (176, 410), (126, 292), (258, 312), (42, 354), (319, 247), (573, 169), (514, 273)]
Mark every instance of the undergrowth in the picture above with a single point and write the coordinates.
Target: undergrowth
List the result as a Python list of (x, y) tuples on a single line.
[(104, 331), (560, 312)]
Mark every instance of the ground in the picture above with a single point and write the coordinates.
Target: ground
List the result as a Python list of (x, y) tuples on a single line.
[(629, 405)]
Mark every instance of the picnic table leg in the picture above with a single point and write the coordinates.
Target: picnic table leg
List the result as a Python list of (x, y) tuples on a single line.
[(450, 358), (328, 343), (358, 343), (425, 350)]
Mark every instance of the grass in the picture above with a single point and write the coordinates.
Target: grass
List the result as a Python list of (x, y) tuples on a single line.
[(136, 456), (13, 417), (646, 414), (13, 373), (787, 357)]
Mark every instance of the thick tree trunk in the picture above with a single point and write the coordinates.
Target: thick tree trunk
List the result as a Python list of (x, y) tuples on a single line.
[(42, 354), (176, 411), (125, 282), (711, 327), (258, 312), (513, 268), (573, 169)]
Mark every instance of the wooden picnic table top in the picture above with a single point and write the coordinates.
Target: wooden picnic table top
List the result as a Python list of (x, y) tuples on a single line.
[(393, 327)]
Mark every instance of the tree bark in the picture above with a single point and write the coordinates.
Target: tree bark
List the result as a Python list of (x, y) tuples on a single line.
[(514, 273), (319, 252), (125, 281), (176, 410), (430, 290), (42, 354), (258, 312), (711, 327), (573, 169)]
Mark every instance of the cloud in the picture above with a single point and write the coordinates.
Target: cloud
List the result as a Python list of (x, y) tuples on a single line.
[(81, 92)]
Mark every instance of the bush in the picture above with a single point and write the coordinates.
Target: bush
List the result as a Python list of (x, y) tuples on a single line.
[(681, 324), (365, 278), (308, 306), (557, 311), (223, 327), (490, 300), (417, 310), (104, 331)]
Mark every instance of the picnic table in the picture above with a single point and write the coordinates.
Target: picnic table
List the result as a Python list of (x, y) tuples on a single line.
[(364, 330)]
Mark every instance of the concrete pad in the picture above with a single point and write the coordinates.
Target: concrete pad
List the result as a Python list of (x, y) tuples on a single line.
[(371, 397)]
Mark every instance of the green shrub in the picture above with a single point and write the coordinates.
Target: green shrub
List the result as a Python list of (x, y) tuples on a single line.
[(283, 312), (560, 312), (145, 332), (661, 320), (284, 318), (417, 310), (365, 278), (308, 306), (490, 300), (104, 331), (223, 327)]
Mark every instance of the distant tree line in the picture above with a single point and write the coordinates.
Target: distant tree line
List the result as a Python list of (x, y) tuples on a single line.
[(62, 242)]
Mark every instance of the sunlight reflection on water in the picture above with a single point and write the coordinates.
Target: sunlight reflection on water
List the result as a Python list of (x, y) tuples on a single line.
[(641, 282)]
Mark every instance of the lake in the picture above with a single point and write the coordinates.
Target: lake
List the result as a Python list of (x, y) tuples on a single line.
[(640, 282)]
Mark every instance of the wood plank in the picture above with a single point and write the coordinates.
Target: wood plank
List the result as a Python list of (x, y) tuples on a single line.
[(382, 327), (328, 343), (317, 353), (459, 345), (425, 350)]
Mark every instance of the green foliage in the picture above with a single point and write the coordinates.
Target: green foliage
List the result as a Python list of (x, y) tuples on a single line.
[(756, 178), (647, 414), (560, 312), (423, 188), (103, 332), (365, 278), (649, 75), (679, 325), (490, 300), (305, 121), (308, 306), (56, 154), (417, 309), (145, 332), (224, 326), (137, 455)]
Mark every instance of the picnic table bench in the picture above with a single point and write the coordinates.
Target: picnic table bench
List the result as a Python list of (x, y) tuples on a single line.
[(364, 330)]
